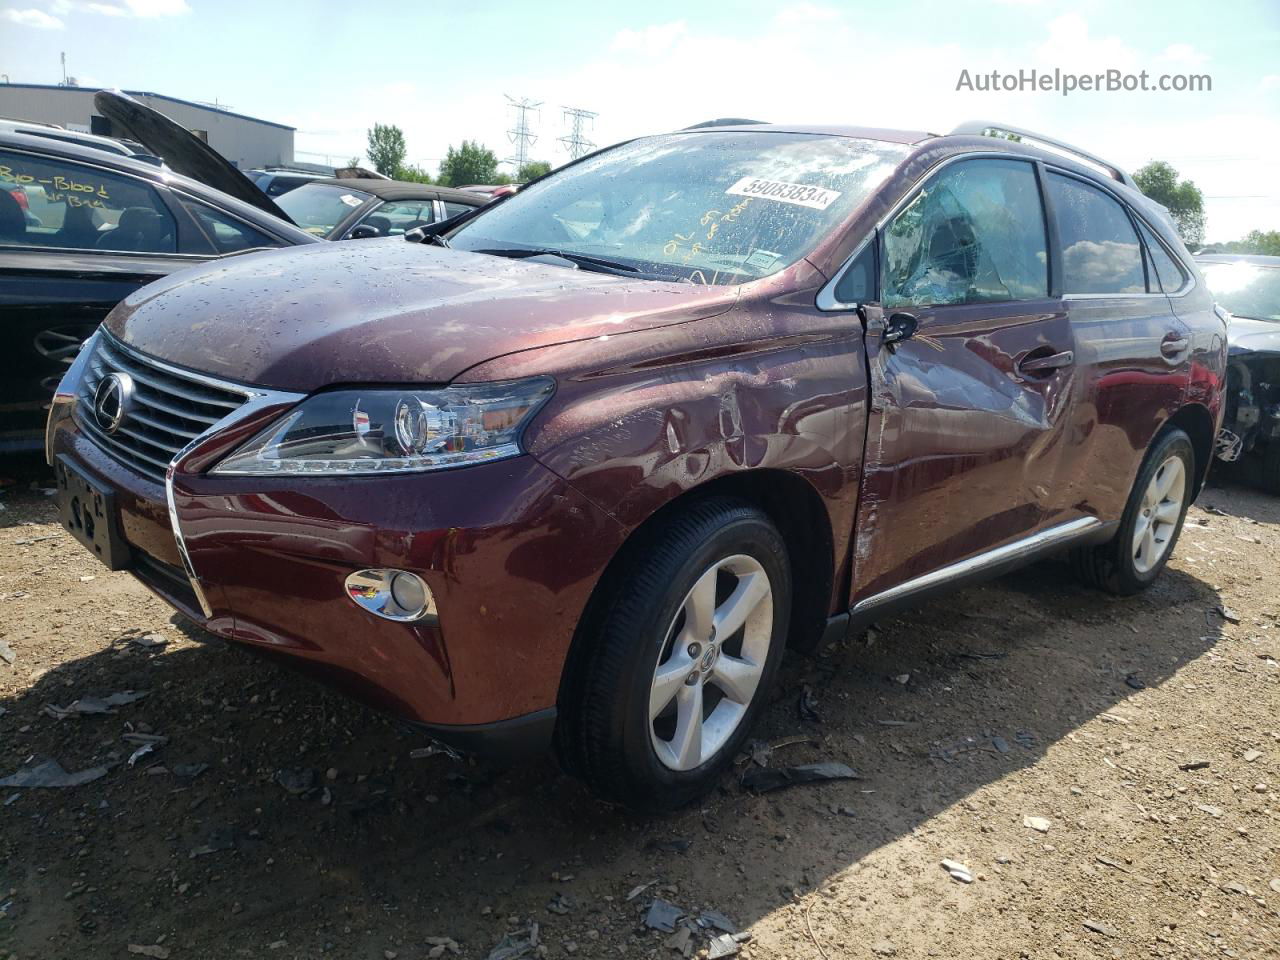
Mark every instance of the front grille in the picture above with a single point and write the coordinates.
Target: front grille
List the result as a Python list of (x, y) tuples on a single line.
[(169, 410)]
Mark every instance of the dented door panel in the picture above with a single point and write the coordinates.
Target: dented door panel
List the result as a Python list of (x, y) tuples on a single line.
[(962, 446)]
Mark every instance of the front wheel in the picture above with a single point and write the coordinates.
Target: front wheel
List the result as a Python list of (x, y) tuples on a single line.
[(684, 649), (1152, 520)]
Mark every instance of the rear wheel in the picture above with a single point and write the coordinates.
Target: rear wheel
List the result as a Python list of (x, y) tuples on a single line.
[(685, 646), (1152, 520)]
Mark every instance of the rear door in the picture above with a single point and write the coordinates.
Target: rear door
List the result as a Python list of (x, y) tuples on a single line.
[(75, 239), (969, 414), (1132, 351)]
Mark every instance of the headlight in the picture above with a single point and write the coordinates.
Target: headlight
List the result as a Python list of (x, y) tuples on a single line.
[(393, 431)]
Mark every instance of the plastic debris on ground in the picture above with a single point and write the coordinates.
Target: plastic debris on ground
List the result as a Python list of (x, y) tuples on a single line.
[(515, 946), (94, 705), (663, 916), (958, 871), (807, 705), (767, 779), (51, 774)]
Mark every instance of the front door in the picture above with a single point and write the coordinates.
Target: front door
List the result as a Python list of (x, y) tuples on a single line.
[(969, 412)]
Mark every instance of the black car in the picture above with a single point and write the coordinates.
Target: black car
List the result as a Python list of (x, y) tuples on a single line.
[(358, 209), (1249, 287), (81, 228)]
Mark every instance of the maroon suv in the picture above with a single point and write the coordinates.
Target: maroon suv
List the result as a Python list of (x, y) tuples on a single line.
[(578, 468)]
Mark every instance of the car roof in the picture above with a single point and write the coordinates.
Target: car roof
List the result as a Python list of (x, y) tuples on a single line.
[(402, 190), (154, 174), (818, 130), (1254, 258), (47, 131)]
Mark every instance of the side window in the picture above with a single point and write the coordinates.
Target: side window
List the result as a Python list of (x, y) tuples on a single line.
[(974, 234), (226, 233), (1100, 250), (50, 202), (452, 209), (399, 216), (1164, 270), (858, 285)]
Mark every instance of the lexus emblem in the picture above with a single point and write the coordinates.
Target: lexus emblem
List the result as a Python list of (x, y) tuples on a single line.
[(112, 401)]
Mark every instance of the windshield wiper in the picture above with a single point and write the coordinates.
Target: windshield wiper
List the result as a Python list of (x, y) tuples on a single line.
[(581, 259)]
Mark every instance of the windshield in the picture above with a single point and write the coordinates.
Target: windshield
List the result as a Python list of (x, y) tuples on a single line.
[(1246, 289), (715, 207), (317, 207)]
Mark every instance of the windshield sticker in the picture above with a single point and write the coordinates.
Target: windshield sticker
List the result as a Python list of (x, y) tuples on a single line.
[(801, 194), (761, 260), (351, 201)]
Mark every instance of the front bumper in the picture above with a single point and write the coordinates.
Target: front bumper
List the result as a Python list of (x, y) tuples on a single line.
[(509, 550)]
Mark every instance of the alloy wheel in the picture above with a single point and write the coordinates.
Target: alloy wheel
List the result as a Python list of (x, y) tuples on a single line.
[(1160, 511), (711, 662)]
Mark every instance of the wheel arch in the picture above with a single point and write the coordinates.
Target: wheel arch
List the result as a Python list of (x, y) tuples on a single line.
[(793, 505), (1195, 420)]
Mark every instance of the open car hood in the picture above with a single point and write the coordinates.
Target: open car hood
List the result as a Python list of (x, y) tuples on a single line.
[(183, 151)]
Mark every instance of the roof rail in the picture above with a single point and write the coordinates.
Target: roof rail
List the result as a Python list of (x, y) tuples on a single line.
[(978, 128)]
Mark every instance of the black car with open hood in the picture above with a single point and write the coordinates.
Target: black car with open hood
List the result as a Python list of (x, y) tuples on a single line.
[(81, 228), (1249, 288)]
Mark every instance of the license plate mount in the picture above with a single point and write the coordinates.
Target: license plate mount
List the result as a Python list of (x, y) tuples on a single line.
[(88, 511)]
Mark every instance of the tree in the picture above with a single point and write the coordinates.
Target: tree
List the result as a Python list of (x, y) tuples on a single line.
[(532, 170), (413, 174), (353, 162), (472, 162), (1159, 181), (386, 148)]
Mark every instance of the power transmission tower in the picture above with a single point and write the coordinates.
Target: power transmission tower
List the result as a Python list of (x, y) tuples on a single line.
[(520, 135), (575, 141)]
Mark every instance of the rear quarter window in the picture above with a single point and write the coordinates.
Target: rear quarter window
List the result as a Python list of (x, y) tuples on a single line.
[(1100, 249)]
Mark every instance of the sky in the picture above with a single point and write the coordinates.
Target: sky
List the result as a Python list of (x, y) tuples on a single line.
[(442, 71)]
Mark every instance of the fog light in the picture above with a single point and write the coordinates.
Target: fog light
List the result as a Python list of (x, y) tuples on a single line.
[(391, 594)]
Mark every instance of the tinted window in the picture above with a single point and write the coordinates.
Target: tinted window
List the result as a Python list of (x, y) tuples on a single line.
[(1100, 251), (709, 207), (452, 209), (394, 218), (318, 207), (1164, 272), (226, 233), (49, 202), (858, 284), (974, 234)]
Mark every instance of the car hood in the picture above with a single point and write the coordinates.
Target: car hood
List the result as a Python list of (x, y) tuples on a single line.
[(1253, 336), (385, 311), (184, 152)]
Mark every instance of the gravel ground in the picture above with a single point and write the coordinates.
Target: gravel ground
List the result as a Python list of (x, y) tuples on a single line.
[(1105, 772)]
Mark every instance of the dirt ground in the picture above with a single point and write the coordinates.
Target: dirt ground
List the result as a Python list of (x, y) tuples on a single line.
[(1146, 732)]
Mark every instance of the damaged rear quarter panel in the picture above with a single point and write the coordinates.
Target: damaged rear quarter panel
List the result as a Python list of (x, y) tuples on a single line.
[(773, 384)]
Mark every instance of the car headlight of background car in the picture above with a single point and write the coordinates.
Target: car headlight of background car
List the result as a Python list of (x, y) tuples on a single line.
[(382, 430)]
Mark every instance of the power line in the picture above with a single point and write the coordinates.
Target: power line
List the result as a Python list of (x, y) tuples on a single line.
[(575, 141), (521, 136)]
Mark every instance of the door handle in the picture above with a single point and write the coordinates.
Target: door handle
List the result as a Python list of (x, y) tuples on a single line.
[(1045, 364), (1173, 344)]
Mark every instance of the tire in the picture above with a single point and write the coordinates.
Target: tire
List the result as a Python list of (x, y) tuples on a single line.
[(1121, 566), (648, 618)]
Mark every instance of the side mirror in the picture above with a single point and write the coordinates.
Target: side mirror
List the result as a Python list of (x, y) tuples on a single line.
[(899, 327), (362, 231)]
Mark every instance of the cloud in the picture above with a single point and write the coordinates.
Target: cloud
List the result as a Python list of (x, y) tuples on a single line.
[(142, 9), (33, 18), (1183, 54), (649, 41), (1270, 82)]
